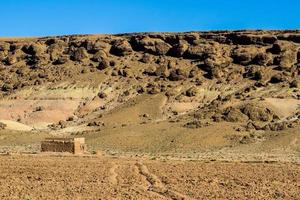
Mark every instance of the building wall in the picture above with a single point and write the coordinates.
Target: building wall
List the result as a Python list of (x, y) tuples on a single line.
[(57, 146), (71, 145)]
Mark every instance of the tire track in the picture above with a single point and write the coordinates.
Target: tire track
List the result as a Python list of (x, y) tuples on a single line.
[(113, 175), (155, 185)]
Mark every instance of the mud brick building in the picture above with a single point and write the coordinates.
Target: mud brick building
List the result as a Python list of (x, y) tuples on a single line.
[(71, 145)]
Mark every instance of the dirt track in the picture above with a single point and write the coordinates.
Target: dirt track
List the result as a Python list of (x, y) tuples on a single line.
[(49, 177)]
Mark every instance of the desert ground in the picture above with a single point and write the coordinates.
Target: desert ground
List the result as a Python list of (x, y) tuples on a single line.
[(195, 115), (66, 177)]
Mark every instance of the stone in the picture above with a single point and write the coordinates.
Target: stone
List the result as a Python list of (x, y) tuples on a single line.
[(80, 54), (234, 115), (154, 46), (121, 48), (177, 75), (179, 49), (99, 56), (257, 112)]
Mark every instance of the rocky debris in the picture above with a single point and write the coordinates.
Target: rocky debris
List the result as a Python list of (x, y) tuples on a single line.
[(257, 112), (121, 48), (278, 126), (196, 124), (251, 126), (215, 65), (271, 126), (60, 125), (234, 115), (96, 123)]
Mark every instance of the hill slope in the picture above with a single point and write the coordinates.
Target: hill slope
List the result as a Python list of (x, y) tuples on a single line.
[(156, 92)]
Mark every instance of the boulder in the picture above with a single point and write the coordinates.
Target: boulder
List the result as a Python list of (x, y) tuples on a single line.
[(179, 49), (153, 89), (61, 60), (293, 37), (257, 112), (121, 48), (234, 115), (56, 50), (191, 37), (154, 46), (201, 51), (162, 71), (99, 56), (263, 59), (15, 57), (80, 54), (102, 95), (35, 49), (250, 39), (2, 56), (278, 126), (147, 58), (177, 75), (246, 55), (258, 73), (103, 64), (278, 78), (287, 54)]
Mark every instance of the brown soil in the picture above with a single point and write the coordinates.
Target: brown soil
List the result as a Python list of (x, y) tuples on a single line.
[(52, 177)]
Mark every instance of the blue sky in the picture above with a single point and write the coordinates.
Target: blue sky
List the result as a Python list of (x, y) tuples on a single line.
[(58, 17)]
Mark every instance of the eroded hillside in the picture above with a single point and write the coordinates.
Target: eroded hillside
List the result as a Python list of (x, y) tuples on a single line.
[(156, 91)]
